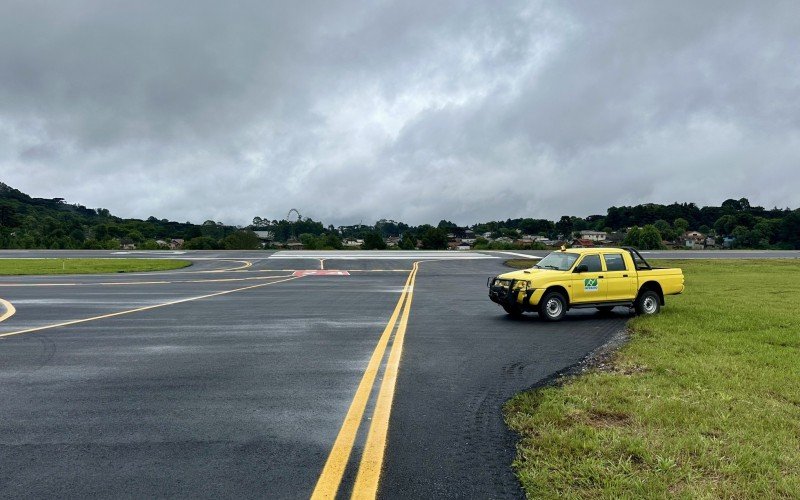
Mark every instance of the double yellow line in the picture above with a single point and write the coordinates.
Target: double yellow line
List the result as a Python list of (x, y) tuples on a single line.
[(369, 470)]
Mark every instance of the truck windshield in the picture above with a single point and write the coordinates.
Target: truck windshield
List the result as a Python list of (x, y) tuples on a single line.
[(560, 261)]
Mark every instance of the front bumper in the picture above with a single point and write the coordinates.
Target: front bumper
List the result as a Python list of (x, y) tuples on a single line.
[(509, 292)]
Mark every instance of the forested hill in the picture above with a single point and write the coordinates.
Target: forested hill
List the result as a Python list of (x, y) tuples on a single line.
[(27, 222)]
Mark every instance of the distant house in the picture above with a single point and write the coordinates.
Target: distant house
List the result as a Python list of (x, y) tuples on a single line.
[(593, 235), (294, 245), (463, 246), (176, 243), (504, 239), (265, 236), (353, 242), (392, 241), (582, 243), (537, 237), (453, 243), (694, 239)]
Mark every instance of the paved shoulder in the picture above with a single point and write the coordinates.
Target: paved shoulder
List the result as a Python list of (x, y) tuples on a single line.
[(463, 359)]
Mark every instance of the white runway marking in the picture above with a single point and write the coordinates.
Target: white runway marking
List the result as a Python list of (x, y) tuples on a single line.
[(150, 252), (525, 255), (380, 255)]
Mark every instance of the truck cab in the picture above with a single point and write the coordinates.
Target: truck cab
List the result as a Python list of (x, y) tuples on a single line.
[(601, 278)]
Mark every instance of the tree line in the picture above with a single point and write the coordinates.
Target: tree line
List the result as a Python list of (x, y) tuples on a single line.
[(27, 222)]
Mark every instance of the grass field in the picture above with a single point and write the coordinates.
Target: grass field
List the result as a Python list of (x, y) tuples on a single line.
[(704, 402), (521, 263), (87, 266)]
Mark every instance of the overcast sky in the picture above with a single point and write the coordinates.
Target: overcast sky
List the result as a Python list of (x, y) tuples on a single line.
[(409, 110)]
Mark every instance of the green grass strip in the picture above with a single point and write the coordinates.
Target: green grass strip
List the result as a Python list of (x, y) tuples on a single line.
[(87, 266), (521, 263), (704, 402)]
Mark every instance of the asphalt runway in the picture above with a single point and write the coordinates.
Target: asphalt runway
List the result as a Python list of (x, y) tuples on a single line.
[(237, 378)]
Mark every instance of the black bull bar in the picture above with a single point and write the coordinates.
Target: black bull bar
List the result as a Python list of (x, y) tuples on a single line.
[(501, 294)]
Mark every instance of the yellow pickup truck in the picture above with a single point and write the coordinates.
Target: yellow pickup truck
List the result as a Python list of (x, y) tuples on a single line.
[(603, 278)]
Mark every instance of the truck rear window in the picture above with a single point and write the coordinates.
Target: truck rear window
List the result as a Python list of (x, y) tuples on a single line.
[(614, 262)]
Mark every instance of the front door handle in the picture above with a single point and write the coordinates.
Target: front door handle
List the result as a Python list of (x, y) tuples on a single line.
[(624, 275), (600, 276)]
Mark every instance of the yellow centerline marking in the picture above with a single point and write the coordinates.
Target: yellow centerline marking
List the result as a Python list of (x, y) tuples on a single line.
[(247, 264), (10, 310), (139, 309), (331, 477), (369, 471)]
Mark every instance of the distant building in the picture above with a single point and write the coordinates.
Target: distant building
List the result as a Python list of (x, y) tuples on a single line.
[(392, 241), (593, 235), (265, 235), (694, 239), (453, 243), (582, 243), (176, 243), (353, 242), (695, 235)]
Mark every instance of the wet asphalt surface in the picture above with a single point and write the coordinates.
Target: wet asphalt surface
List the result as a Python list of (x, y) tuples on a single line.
[(242, 394)]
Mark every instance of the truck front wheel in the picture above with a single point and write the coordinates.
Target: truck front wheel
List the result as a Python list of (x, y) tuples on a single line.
[(648, 303), (552, 307), (514, 310)]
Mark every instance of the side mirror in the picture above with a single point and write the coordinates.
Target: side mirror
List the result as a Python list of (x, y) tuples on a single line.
[(583, 268)]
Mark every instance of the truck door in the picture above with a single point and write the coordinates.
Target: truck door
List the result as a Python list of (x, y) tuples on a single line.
[(620, 277), (589, 286)]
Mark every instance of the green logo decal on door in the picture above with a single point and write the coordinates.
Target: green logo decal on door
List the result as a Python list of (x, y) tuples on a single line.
[(590, 284)]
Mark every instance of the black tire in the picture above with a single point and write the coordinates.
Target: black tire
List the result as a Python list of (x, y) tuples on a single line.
[(605, 309), (513, 311), (648, 303), (553, 306)]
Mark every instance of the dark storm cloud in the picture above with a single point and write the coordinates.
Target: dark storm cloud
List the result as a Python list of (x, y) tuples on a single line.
[(407, 110)]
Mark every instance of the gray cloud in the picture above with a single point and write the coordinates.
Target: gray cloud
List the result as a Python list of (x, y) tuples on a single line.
[(409, 110)]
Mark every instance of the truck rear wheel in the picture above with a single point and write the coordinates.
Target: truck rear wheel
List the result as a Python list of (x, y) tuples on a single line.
[(648, 303), (552, 307)]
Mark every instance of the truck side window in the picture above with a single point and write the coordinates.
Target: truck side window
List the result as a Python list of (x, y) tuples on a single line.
[(614, 262), (593, 263)]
